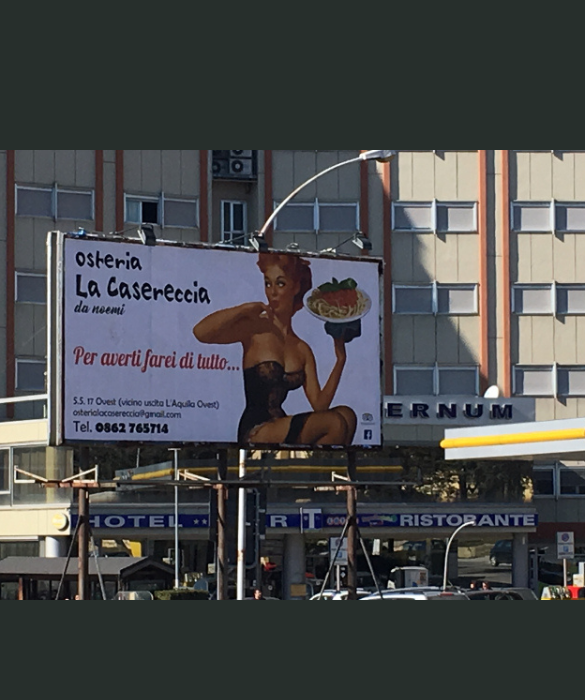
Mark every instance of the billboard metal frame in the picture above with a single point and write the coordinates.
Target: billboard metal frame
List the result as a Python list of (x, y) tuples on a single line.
[(55, 341)]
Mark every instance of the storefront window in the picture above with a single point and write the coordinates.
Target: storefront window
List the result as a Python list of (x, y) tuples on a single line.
[(573, 482), (544, 482)]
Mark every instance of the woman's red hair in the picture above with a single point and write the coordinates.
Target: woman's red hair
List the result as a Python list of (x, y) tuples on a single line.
[(296, 268)]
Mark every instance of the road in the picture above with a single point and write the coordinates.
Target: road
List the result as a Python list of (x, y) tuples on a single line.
[(482, 570)]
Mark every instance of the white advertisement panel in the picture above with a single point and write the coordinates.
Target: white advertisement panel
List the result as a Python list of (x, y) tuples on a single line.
[(174, 344)]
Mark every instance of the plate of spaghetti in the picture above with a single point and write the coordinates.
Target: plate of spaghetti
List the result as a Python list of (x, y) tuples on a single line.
[(338, 302)]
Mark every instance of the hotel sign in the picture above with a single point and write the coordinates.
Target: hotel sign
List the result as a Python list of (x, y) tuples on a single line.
[(458, 411)]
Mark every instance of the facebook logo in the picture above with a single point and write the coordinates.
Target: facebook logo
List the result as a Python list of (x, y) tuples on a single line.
[(368, 435)]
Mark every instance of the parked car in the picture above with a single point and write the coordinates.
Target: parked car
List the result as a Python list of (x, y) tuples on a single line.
[(503, 594), (430, 593), (502, 553), (340, 595)]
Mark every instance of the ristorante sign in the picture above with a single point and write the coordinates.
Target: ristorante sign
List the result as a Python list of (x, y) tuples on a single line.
[(190, 344), (316, 520), (457, 411)]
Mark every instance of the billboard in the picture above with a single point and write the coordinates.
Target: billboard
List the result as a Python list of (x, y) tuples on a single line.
[(184, 344)]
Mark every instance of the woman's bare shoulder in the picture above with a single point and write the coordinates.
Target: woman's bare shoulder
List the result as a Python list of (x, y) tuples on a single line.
[(305, 349)]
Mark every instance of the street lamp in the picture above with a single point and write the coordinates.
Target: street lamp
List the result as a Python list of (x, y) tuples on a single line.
[(469, 523), (380, 156)]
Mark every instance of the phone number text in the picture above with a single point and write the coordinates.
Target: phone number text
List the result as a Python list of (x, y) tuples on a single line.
[(133, 428)]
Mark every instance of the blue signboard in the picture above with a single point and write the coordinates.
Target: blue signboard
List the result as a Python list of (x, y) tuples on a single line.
[(308, 520), (140, 522), (435, 520)]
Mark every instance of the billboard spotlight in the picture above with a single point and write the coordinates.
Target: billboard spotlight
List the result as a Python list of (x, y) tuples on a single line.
[(259, 243), (146, 233), (362, 242)]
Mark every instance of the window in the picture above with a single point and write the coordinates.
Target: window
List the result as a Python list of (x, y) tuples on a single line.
[(234, 222), (55, 203), (457, 299), (31, 288), (456, 217), (296, 217), (570, 217), (34, 201), (549, 381), (458, 381), (30, 375), (338, 217), (142, 211), (436, 381), (534, 381), (570, 299), (414, 381), (164, 211), (4, 471), (543, 481), (75, 205), (546, 217), (448, 299), (547, 299), (414, 300), (181, 213), (444, 217), (534, 217), (572, 482), (413, 216), (533, 299), (571, 381), (561, 479)]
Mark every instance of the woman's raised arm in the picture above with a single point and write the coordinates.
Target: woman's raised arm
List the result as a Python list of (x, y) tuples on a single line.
[(322, 398), (228, 325)]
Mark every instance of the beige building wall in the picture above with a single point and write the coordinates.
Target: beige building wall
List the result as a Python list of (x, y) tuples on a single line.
[(548, 257), (445, 258), (22, 523)]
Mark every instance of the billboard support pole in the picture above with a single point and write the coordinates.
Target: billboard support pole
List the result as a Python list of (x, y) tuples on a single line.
[(352, 533), (222, 555), (175, 450), (83, 536), (242, 529)]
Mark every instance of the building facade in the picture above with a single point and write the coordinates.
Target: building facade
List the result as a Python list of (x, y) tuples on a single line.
[(482, 291)]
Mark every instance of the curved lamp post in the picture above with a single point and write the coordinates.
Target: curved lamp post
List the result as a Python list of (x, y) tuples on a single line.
[(451, 540)]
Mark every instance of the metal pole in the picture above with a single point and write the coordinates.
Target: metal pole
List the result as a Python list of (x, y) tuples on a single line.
[(257, 539), (222, 554), (177, 552), (83, 534), (97, 565), (83, 546), (452, 538), (334, 559), (370, 565), (352, 535), (69, 554), (242, 529)]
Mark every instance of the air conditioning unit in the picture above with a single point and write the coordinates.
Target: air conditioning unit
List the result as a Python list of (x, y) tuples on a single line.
[(234, 165)]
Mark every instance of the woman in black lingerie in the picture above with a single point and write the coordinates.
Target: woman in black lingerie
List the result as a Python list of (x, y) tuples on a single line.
[(276, 361)]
